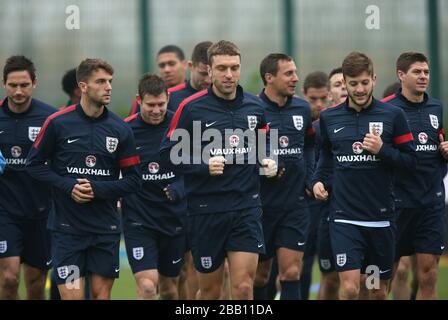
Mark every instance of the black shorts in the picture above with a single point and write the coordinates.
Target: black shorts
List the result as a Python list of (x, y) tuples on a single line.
[(213, 235), (150, 249), (421, 230), (357, 247), (76, 256), (29, 240), (324, 248), (285, 229)]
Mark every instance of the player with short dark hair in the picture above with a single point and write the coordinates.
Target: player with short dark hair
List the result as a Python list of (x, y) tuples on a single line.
[(223, 196), (199, 77), (363, 143), (420, 193), (24, 202), (316, 93), (70, 87), (336, 86), (81, 152), (285, 209), (153, 218), (172, 67)]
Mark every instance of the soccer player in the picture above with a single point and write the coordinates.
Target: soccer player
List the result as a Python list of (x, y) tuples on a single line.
[(70, 87), (329, 280), (172, 67), (153, 218), (223, 192), (363, 142), (336, 86), (316, 93), (80, 152), (420, 193), (199, 77), (24, 203), (285, 209)]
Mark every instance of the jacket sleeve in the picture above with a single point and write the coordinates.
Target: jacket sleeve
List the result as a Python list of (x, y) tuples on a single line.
[(325, 165), (309, 154), (178, 151), (41, 154), (129, 163), (401, 153), (2, 163)]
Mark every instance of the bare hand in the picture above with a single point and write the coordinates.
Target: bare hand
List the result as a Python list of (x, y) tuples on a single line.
[(270, 167), (167, 193), (372, 142), (280, 173), (82, 191), (216, 165), (319, 191), (443, 147)]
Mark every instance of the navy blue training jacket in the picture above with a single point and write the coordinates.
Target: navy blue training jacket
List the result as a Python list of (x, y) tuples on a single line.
[(422, 186), (21, 196), (97, 149), (295, 153), (238, 188), (150, 206), (362, 183)]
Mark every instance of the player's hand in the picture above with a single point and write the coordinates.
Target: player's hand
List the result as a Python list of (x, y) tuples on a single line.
[(82, 192), (270, 167), (443, 147), (216, 165), (319, 191), (280, 173), (169, 193), (373, 142)]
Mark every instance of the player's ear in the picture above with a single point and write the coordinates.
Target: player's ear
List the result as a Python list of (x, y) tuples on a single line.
[(82, 86)]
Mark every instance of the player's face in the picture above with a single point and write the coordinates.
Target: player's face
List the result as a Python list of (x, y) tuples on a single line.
[(98, 87), (153, 108), (199, 76), (171, 69), (225, 73), (19, 87), (317, 98), (416, 80), (285, 81), (360, 88), (338, 91)]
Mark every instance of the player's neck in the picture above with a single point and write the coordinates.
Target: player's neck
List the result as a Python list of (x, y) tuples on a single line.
[(357, 107), (19, 108), (90, 108), (280, 100), (412, 97), (230, 96)]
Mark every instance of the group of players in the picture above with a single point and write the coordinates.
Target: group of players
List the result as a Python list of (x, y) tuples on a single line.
[(360, 182)]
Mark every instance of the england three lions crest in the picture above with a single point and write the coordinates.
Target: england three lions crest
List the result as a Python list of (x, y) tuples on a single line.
[(298, 122), (434, 121), (111, 144), (33, 132), (252, 122), (378, 126)]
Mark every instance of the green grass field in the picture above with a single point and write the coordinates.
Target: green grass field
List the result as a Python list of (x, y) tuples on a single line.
[(125, 287)]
